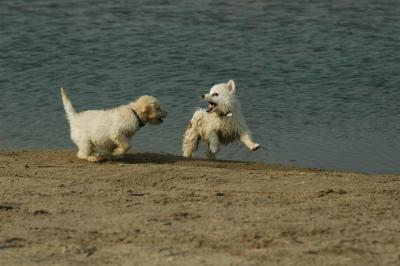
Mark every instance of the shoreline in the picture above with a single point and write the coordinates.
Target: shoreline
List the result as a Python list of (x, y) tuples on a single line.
[(140, 157), (158, 209)]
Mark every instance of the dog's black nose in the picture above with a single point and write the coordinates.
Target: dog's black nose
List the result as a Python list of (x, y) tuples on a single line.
[(203, 96)]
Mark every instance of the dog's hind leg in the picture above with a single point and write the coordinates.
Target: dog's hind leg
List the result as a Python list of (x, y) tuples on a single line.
[(246, 140), (190, 141), (211, 155), (85, 152), (122, 146), (213, 145), (85, 149)]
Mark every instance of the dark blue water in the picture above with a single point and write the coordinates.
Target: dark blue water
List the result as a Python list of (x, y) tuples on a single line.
[(319, 81)]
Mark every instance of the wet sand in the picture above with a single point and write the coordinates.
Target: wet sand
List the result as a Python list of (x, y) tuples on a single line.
[(153, 209)]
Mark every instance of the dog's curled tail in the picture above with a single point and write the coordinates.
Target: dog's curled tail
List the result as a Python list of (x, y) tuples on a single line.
[(190, 141), (69, 109)]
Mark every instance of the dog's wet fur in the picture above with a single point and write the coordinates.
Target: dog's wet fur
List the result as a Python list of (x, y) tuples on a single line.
[(106, 133), (222, 122)]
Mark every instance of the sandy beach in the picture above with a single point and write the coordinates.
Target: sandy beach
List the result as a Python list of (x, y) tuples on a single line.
[(153, 209)]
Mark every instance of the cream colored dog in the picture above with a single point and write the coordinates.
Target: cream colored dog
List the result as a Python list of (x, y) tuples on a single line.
[(108, 132), (221, 123)]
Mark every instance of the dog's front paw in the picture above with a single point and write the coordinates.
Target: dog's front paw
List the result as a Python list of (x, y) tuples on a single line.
[(95, 158), (211, 156), (187, 155), (255, 147), (117, 153), (213, 148)]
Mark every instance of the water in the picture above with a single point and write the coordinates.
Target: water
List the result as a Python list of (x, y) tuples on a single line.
[(319, 81)]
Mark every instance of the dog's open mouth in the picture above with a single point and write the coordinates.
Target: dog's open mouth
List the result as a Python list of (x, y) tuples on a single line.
[(211, 107), (161, 118)]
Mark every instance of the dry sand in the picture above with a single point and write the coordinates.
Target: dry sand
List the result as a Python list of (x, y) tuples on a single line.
[(151, 209)]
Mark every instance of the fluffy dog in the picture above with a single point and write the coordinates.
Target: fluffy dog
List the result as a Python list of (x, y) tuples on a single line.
[(221, 123), (108, 132)]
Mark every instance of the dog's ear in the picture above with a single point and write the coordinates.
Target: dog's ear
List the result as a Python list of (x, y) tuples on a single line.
[(148, 109), (231, 86)]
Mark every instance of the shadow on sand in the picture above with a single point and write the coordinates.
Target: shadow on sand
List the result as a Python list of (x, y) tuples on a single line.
[(156, 158), (139, 158)]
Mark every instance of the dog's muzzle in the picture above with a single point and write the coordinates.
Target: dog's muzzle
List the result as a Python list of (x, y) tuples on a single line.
[(161, 118), (211, 105)]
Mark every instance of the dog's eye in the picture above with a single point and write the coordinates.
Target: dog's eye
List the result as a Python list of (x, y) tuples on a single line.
[(214, 94)]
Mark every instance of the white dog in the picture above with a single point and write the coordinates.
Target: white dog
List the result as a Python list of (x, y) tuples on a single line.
[(108, 132), (221, 123)]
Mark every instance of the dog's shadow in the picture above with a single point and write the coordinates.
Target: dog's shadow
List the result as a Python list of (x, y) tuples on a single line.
[(165, 158), (143, 158), (157, 158)]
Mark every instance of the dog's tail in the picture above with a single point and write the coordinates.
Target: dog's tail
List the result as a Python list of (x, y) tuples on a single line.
[(69, 109), (190, 141)]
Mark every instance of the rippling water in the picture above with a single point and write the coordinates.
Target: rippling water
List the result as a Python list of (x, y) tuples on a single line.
[(319, 81)]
